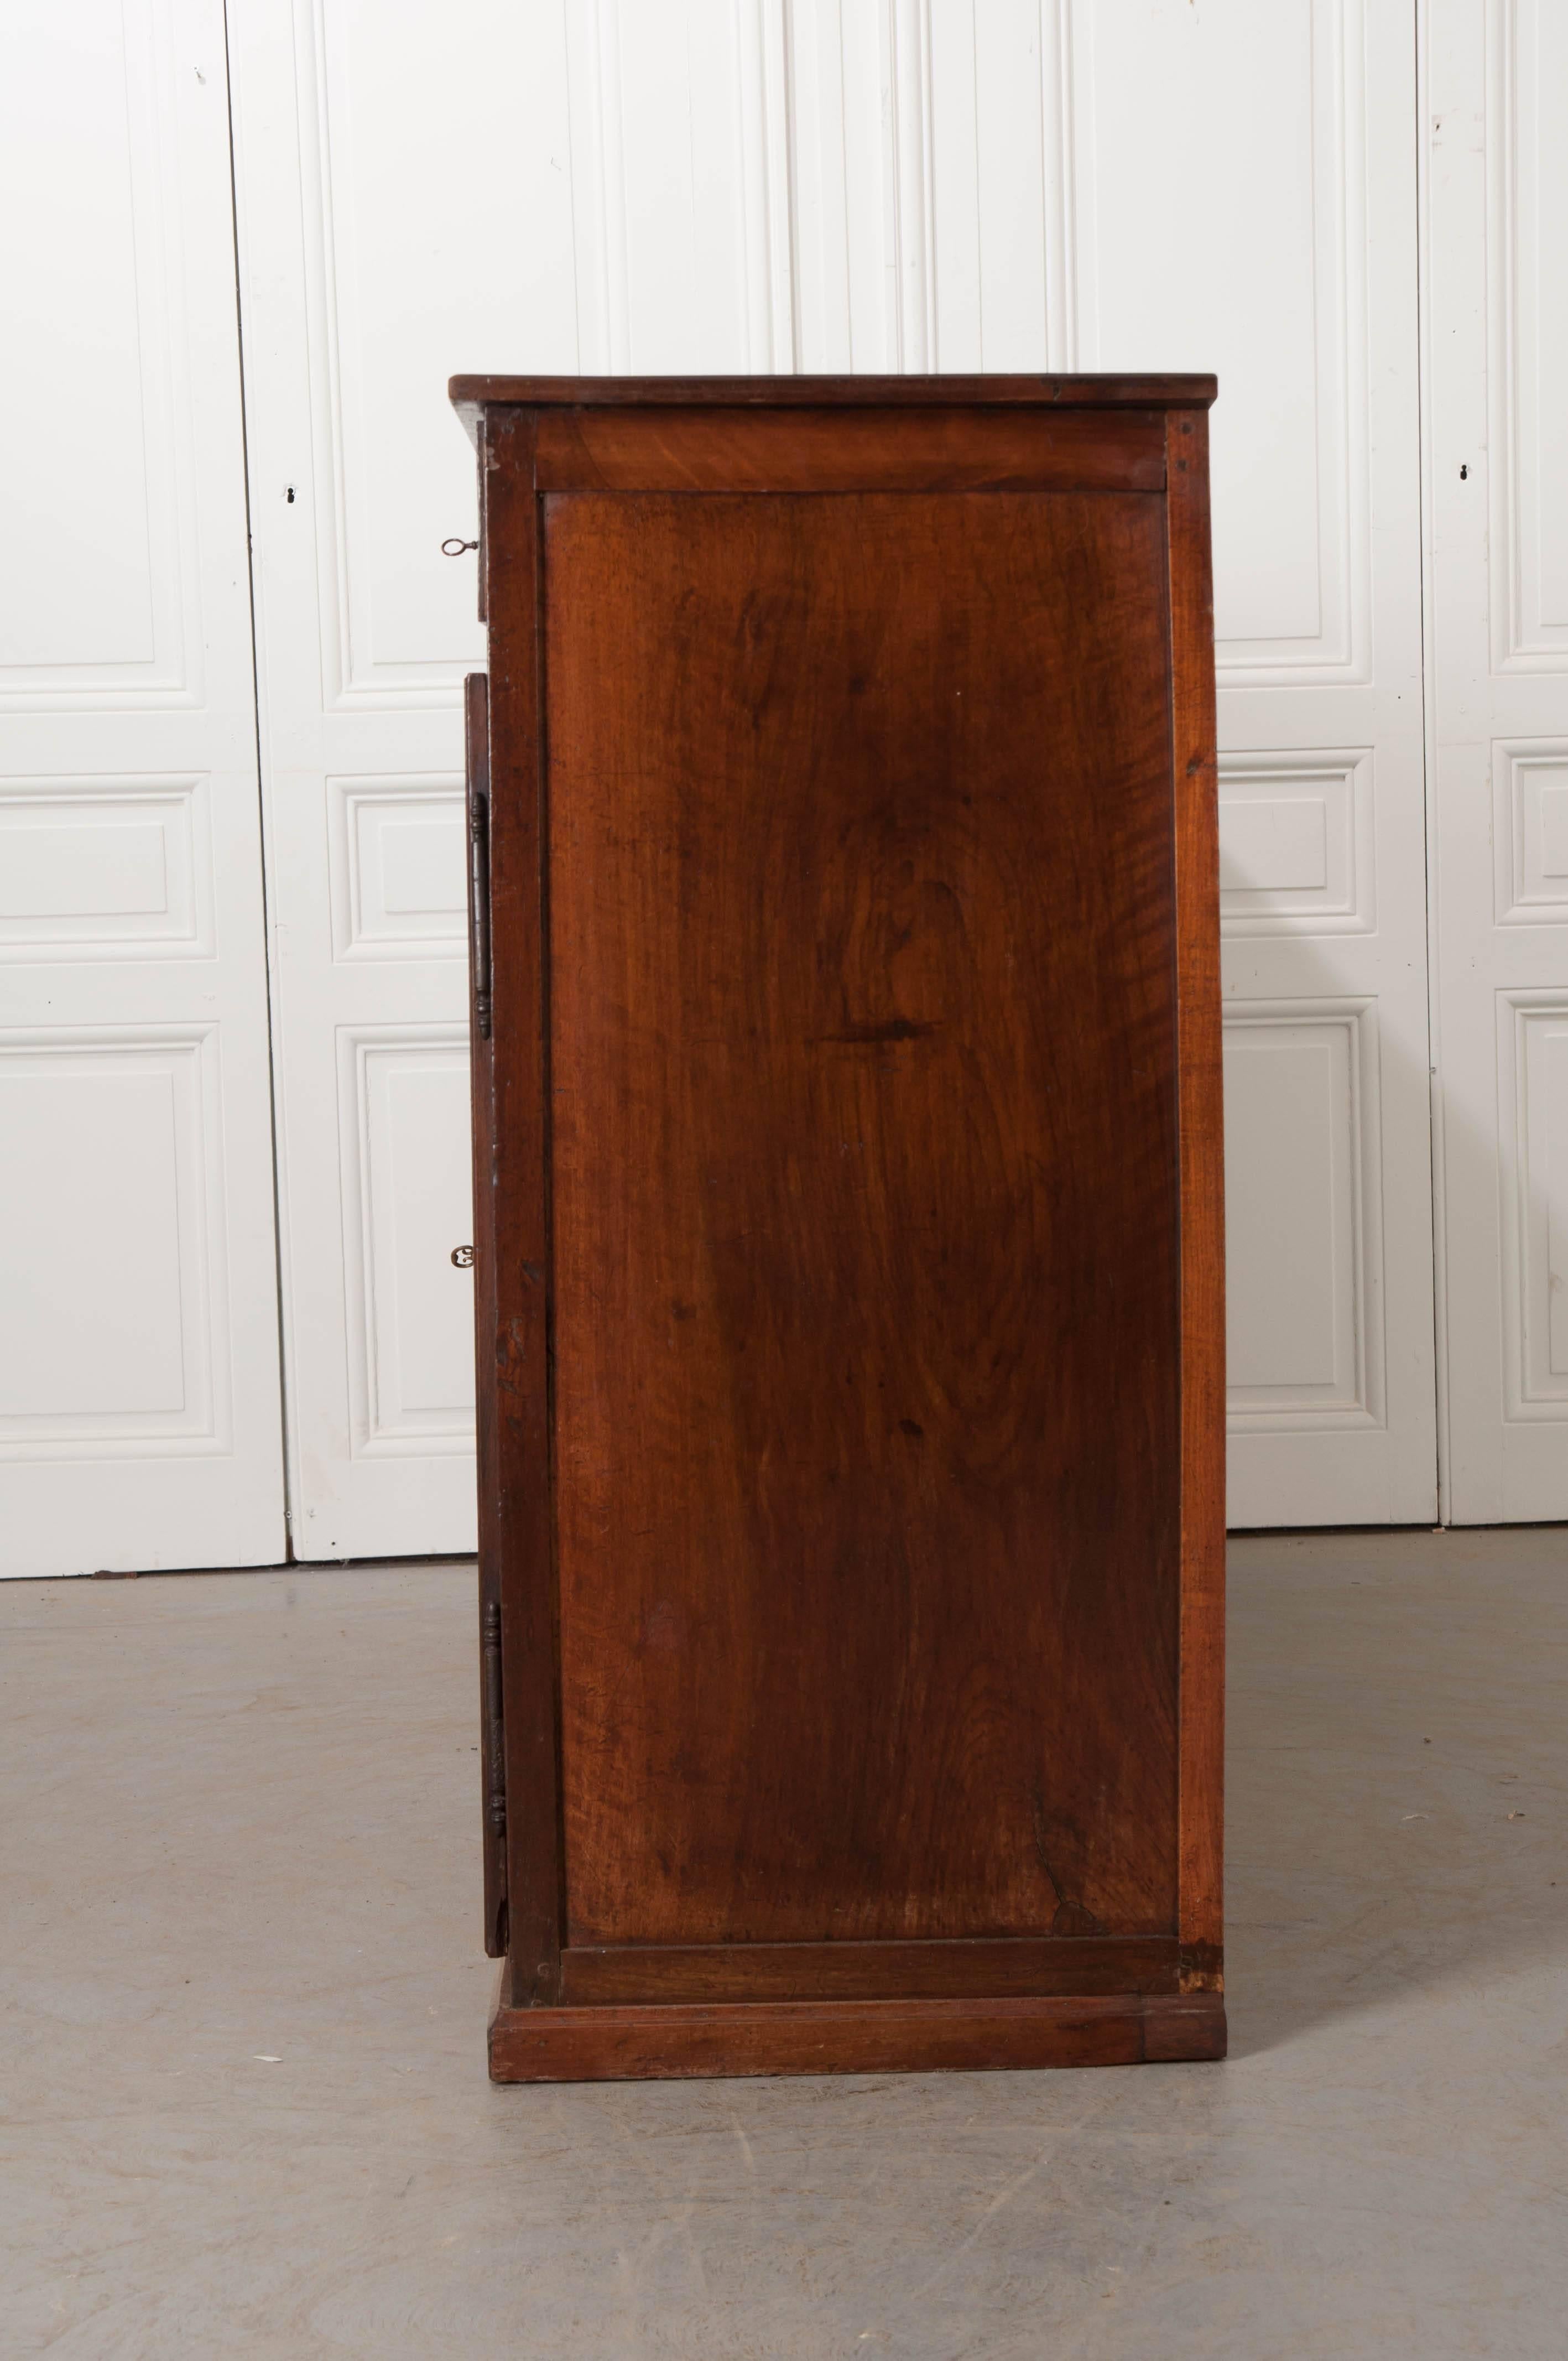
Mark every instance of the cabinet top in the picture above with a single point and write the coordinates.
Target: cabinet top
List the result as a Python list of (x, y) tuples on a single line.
[(470, 395)]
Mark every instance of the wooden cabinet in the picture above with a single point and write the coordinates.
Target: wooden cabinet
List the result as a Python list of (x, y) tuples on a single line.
[(848, 1175)]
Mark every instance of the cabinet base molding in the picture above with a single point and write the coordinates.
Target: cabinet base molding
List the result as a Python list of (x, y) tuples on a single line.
[(852, 2036)]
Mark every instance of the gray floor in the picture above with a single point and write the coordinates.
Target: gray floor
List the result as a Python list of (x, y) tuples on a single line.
[(246, 2108)]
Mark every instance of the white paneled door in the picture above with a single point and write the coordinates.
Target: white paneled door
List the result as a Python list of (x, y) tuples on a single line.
[(138, 1381), (1496, 220), (402, 205)]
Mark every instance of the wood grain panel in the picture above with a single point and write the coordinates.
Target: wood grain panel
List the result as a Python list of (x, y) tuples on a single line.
[(867, 450), (864, 1183), (732, 1972)]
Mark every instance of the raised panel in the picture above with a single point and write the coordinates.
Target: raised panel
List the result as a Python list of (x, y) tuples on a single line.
[(931, 177), (1248, 123), (95, 484), (997, 158), (1528, 315), (104, 868), (399, 873), (403, 1112), (843, 220), (108, 1206), (1303, 1218), (1296, 844), (683, 216), (1529, 785), (1533, 1141), (681, 188)]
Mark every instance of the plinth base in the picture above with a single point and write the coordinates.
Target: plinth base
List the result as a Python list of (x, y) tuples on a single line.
[(856, 2036)]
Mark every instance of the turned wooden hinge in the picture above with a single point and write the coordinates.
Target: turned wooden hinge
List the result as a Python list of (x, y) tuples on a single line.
[(480, 854), (477, 731), (495, 1725)]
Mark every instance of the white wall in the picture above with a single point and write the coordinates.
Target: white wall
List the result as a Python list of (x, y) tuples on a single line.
[(749, 185)]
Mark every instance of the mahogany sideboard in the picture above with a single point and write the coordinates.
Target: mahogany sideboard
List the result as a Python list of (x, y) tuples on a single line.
[(848, 1192)]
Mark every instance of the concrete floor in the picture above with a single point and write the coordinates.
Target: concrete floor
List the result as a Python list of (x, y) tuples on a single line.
[(245, 2099)]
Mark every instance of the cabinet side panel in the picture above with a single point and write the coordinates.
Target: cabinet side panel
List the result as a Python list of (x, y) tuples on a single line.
[(864, 1202), (1202, 1203), (519, 1101)]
